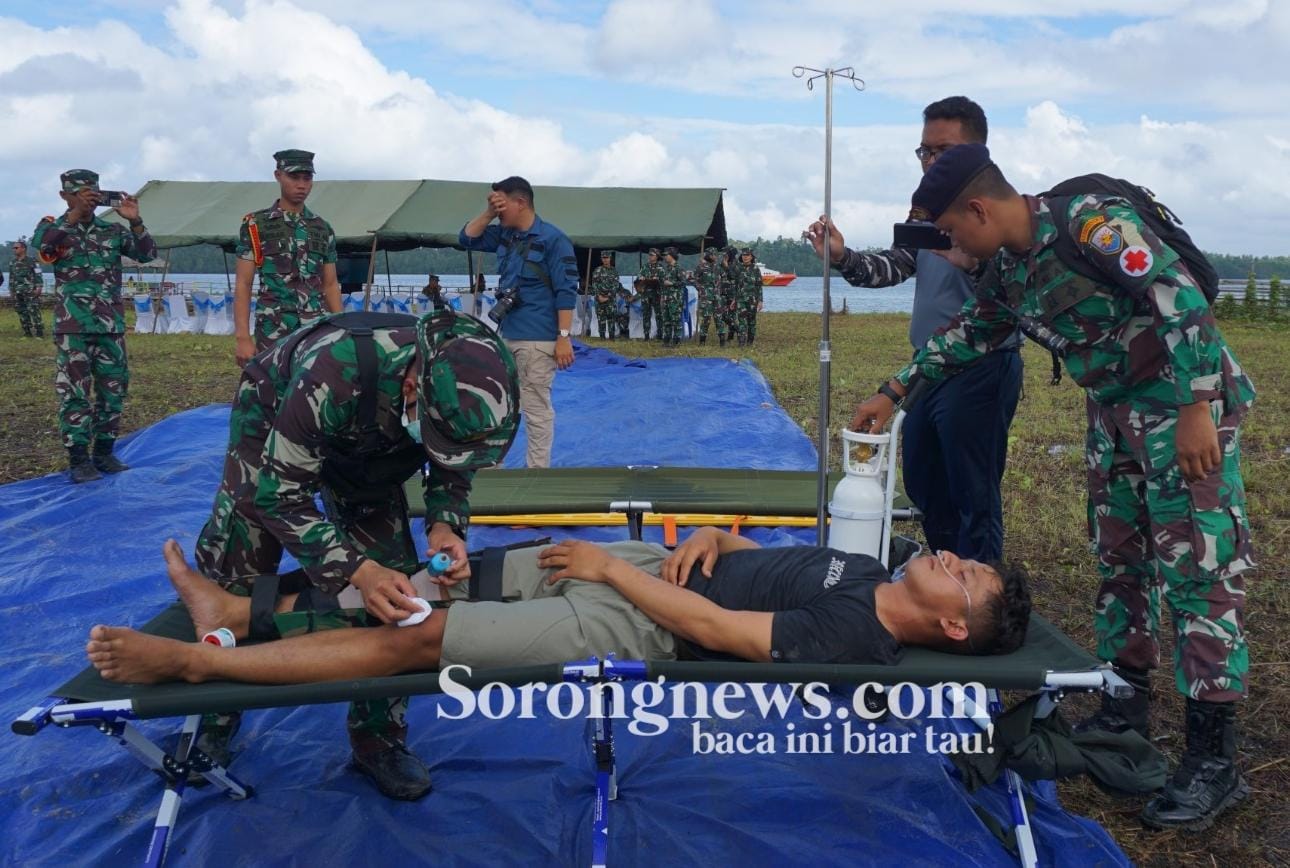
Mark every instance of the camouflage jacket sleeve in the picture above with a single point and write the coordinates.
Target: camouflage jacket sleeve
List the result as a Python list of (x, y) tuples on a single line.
[(887, 268), (978, 328), (138, 246), (289, 479), (243, 249), (1138, 261), (46, 252), (447, 496), (330, 257)]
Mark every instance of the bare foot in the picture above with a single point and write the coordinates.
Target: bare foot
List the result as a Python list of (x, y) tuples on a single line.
[(209, 605), (127, 656)]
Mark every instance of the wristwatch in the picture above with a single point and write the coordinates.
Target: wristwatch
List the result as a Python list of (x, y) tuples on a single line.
[(886, 389), (564, 333)]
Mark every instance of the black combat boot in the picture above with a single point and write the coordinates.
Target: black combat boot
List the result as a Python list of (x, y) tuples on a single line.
[(81, 469), (722, 339), (396, 771), (703, 339), (104, 460), (1207, 781), (1122, 715)]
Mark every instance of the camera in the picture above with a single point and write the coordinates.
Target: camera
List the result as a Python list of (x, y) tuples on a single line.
[(506, 301), (920, 235), (111, 198)]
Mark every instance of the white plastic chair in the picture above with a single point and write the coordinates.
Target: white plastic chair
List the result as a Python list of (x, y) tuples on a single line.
[(219, 317), (179, 320), (145, 318), (201, 311)]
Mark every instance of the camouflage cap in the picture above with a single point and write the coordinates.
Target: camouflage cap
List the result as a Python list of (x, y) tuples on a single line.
[(294, 160), (75, 180), (747, 251), (606, 254), (653, 251), (672, 252), (469, 392), (710, 254)]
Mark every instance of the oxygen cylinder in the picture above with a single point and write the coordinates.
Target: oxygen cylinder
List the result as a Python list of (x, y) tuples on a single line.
[(859, 505)]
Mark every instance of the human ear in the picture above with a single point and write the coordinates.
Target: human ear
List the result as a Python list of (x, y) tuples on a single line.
[(954, 628)]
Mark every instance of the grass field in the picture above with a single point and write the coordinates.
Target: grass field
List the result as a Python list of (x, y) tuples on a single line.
[(1043, 506)]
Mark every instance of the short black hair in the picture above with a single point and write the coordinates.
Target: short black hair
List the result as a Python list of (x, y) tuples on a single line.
[(999, 626), (963, 110), (989, 183), (515, 184)]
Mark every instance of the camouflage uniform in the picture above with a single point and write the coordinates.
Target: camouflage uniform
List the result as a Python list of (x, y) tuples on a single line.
[(293, 433), (293, 248), (1140, 362), (605, 283), (651, 307), (26, 284), (726, 291), (707, 277), (89, 317), (672, 302), (748, 289)]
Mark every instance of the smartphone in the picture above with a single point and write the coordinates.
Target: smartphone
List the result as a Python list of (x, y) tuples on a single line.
[(920, 236), (111, 198)]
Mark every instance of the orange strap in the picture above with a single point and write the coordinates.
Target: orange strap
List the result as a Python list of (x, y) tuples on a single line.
[(734, 527), (669, 530), (257, 251)]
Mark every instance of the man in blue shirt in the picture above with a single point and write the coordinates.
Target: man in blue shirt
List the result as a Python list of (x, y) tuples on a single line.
[(956, 437), (535, 259)]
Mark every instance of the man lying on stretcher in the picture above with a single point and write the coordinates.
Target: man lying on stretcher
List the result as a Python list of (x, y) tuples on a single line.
[(717, 596)]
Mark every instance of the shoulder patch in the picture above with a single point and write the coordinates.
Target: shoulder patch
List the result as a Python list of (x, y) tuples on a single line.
[(1090, 224), (1106, 240), (1136, 261)]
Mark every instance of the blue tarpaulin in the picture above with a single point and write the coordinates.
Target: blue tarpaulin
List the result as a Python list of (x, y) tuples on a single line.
[(506, 791)]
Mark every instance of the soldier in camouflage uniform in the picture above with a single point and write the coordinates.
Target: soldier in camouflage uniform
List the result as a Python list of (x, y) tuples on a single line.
[(26, 285), (727, 260), (672, 298), (89, 319), (706, 278), (294, 252), (650, 295), (606, 288), (444, 387), (1165, 398), (748, 289)]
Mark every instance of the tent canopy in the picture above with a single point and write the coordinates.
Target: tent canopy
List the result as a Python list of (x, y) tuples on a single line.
[(401, 215)]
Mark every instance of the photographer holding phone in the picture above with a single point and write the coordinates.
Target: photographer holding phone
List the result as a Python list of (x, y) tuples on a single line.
[(537, 289), (89, 318), (955, 438)]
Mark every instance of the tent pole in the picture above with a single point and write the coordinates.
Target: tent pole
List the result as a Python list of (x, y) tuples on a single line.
[(161, 287), (586, 298), (826, 352), (389, 281), (228, 281), (371, 274), (470, 274)]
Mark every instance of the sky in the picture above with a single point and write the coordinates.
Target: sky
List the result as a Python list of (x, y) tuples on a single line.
[(1187, 98)]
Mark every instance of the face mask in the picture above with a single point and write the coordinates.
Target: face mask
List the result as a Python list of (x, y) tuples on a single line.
[(412, 426)]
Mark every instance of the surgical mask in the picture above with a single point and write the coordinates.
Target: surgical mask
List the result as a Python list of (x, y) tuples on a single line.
[(412, 426)]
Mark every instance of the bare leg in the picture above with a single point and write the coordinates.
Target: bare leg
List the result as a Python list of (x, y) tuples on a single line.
[(125, 655), (209, 605)]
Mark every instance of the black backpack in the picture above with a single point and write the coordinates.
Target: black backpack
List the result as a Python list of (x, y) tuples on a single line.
[(1158, 217)]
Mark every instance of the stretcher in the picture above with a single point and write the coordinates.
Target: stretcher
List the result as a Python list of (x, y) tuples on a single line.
[(645, 494), (1048, 663)]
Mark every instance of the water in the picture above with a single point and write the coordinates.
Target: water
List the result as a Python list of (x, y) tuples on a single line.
[(804, 294)]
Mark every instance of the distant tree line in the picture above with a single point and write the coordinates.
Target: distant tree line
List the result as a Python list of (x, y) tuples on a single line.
[(782, 254)]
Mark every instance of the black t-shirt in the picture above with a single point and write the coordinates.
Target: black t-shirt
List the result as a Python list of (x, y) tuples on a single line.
[(823, 600)]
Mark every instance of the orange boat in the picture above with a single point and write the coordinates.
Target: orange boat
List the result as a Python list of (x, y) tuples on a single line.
[(771, 277)]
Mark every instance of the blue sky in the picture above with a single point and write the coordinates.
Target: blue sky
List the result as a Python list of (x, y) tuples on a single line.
[(660, 92)]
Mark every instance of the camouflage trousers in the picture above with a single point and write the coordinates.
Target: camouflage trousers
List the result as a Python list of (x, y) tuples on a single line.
[(709, 310), (84, 362), (234, 548), (651, 308), (745, 318), (27, 304), (672, 314), (1158, 535), (607, 318), (272, 324)]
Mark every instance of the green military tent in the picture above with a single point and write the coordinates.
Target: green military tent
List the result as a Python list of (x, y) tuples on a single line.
[(399, 215)]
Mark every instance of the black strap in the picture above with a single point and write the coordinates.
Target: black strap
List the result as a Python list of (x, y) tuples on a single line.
[(486, 582), (264, 600)]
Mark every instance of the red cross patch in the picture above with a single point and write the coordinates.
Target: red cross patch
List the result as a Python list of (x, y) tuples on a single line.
[(1136, 261)]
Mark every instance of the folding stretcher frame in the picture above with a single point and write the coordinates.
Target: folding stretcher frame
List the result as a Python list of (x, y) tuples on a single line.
[(1048, 663)]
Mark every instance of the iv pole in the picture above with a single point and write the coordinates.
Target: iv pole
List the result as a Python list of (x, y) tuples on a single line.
[(826, 354)]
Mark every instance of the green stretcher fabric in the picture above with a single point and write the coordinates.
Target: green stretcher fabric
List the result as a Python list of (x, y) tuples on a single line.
[(668, 489), (1046, 649)]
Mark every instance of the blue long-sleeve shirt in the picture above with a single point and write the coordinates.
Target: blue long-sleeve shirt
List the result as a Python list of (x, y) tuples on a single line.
[(522, 258)]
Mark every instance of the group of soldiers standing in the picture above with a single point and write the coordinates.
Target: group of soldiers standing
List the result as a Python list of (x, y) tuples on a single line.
[(730, 295)]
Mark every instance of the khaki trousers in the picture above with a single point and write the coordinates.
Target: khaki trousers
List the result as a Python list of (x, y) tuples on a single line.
[(536, 363)]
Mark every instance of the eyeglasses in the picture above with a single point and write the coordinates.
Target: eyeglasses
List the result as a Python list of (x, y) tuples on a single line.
[(927, 155), (963, 587)]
